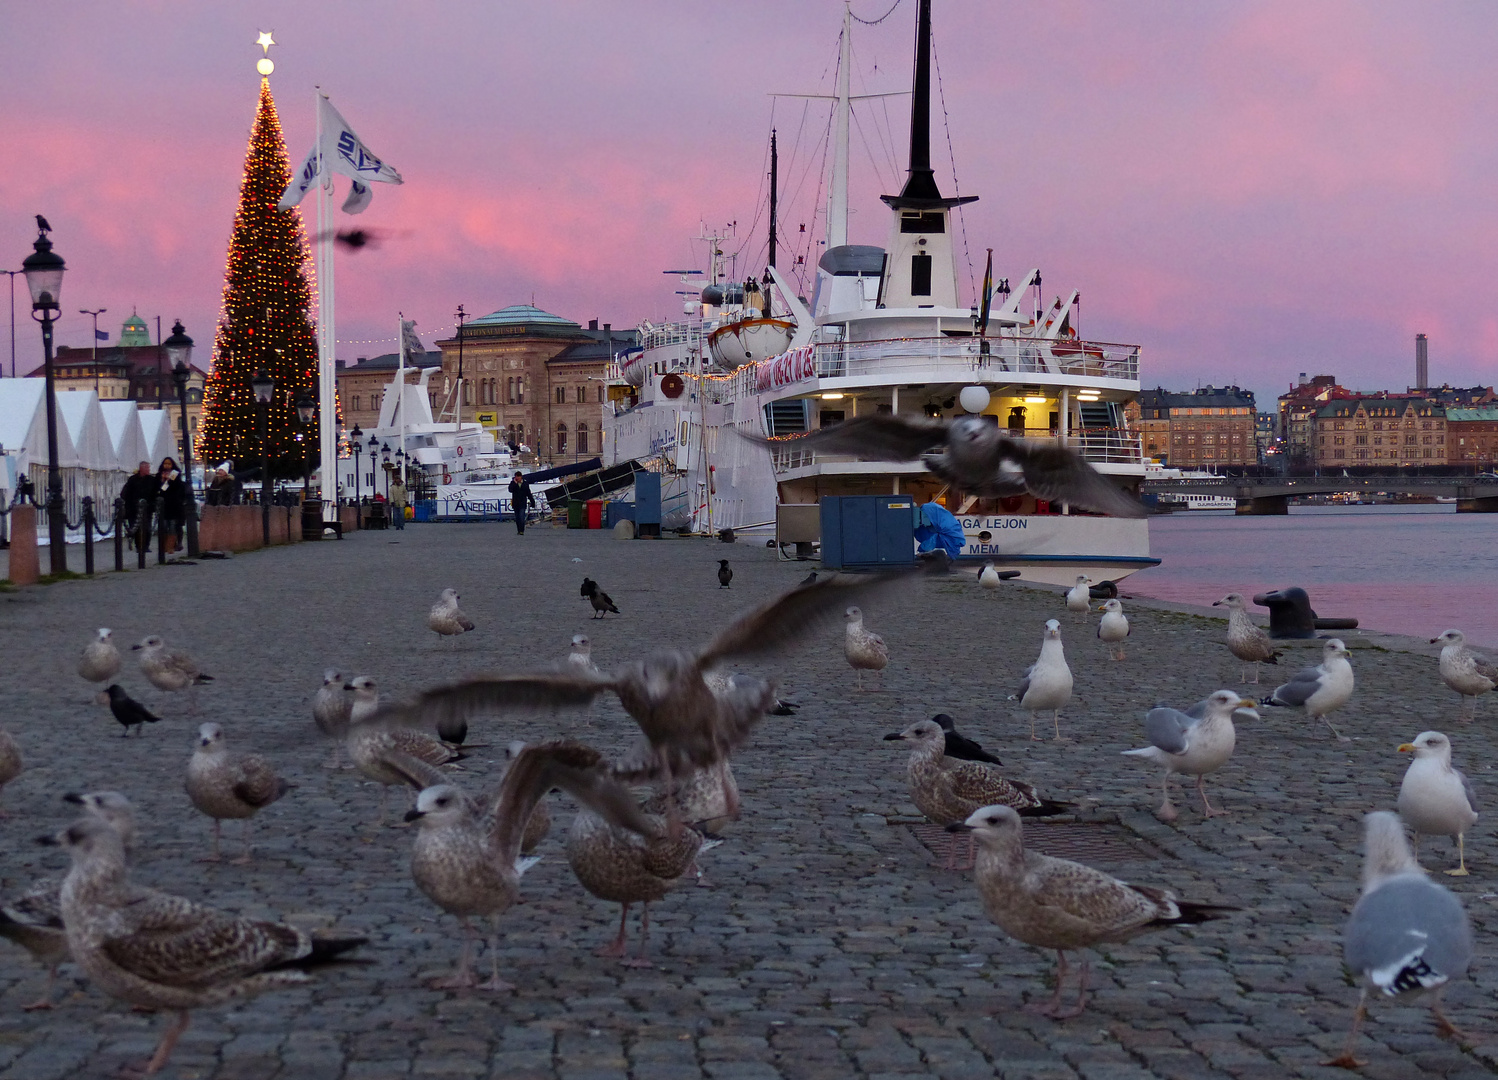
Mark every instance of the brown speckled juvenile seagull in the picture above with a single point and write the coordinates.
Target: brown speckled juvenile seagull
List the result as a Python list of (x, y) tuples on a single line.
[(446, 619), (332, 710), (223, 784), (100, 661), (1246, 641), (372, 739)]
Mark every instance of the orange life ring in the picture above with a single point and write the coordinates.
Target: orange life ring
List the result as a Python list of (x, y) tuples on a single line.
[(447, 478)]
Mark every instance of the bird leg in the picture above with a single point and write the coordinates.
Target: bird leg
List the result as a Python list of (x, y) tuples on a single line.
[(215, 856), (1338, 734), (1444, 1026), (244, 860), (1346, 1060), (1461, 856), (1166, 811), (1056, 717), (858, 674), (462, 977), (1050, 1007), (642, 960), (951, 863), (1201, 789), (1033, 737), (495, 982), (163, 1049), (45, 1001), (615, 948), (332, 762), (1081, 1003)]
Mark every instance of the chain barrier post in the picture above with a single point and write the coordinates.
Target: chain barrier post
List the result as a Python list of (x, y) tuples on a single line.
[(142, 533), (161, 539), (119, 535), (88, 535)]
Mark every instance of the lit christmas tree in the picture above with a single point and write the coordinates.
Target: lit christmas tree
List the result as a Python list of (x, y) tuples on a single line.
[(264, 325)]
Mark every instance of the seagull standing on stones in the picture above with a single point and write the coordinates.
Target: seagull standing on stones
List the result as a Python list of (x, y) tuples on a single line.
[(1468, 673), (1047, 684), (971, 454), (371, 742), (948, 792), (332, 710), (1406, 936), (989, 578), (11, 765), (1192, 745), (725, 574), (1079, 596), (100, 661), (223, 785), (171, 670), (864, 649), (1246, 641), (446, 619), (159, 951), (1435, 798), (580, 658), (1059, 904), (467, 855), (1113, 628), (129, 712), (1322, 689), (33, 918)]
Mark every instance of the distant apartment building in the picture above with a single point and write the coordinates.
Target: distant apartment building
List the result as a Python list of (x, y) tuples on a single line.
[(1204, 428), (1297, 414), (1266, 434), (1472, 437), (1379, 431)]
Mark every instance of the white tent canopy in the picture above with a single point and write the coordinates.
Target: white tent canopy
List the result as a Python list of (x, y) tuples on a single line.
[(101, 477), (156, 430), (125, 434), (23, 427)]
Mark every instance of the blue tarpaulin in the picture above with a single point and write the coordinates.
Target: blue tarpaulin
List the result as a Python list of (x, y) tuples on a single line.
[(938, 528)]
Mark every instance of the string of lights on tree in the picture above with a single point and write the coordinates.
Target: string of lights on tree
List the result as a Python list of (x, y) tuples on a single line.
[(264, 323)]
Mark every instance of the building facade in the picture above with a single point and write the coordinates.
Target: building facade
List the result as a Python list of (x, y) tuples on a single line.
[(1380, 432), (1472, 437), (1297, 414), (1203, 429)]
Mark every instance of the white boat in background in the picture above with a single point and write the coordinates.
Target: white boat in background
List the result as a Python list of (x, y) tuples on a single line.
[(1185, 500), (884, 333)]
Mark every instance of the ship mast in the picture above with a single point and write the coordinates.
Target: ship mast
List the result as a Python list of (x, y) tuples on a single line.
[(837, 197)]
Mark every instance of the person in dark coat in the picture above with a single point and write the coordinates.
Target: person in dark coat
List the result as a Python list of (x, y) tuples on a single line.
[(141, 487), (521, 500), (221, 489), (171, 503)]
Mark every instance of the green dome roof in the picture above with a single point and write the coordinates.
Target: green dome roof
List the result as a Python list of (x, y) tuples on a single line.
[(135, 331), (520, 314)]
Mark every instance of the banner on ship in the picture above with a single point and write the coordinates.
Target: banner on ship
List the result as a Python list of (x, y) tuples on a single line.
[(788, 368)]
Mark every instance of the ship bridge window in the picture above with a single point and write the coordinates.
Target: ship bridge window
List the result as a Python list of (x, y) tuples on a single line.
[(923, 222), (920, 275)]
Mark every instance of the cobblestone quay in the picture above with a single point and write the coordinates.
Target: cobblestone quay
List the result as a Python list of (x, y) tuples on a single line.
[(830, 943)]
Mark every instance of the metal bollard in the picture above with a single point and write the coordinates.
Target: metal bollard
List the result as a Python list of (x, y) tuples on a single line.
[(142, 532), (160, 540), (119, 535), (88, 535)]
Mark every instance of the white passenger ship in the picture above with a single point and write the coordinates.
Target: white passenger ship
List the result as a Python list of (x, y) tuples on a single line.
[(884, 334)]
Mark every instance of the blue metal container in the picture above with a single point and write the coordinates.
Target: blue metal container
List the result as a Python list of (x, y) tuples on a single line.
[(868, 532)]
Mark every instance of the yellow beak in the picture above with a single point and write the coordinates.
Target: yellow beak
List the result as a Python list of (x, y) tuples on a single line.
[(1246, 703), (1406, 748)]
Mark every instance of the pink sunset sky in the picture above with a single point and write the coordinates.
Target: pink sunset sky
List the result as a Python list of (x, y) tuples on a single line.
[(1247, 190)]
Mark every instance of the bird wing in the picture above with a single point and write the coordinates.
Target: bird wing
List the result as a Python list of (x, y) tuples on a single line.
[(669, 858), (1299, 689), (793, 615), (1107, 905), (40, 905), (257, 784), (1001, 483), (167, 940), (1466, 787), (1167, 728), (1484, 666), (417, 773), (495, 693), (972, 781), (881, 437), (1060, 475), (1407, 934), (579, 770)]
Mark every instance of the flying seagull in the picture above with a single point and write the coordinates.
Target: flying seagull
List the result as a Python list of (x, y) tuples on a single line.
[(970, 453)]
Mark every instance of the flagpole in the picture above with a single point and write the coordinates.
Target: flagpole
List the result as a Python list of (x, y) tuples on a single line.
[(400, 376), (327, 341)]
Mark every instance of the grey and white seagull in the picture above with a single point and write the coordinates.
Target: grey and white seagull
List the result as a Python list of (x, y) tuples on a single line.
[(1321, 689), (1468, 673)]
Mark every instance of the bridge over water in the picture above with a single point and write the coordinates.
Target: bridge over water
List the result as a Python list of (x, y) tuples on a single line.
[(1271, 494)]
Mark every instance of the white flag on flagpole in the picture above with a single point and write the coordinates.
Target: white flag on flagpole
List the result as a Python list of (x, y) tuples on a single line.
[(342, 152)]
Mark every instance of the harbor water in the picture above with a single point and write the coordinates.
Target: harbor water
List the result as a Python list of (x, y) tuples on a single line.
[(1415, 570)]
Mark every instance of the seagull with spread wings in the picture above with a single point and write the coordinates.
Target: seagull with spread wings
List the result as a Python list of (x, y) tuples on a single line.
[(971, 454)]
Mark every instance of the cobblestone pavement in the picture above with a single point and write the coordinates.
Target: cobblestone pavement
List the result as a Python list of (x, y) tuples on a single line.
[(831, 944)]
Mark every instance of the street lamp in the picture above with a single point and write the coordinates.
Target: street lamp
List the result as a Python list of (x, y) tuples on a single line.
[(385, 464), (353, 438), (179, 353), (263, 386), (43, 269), (305, 408)]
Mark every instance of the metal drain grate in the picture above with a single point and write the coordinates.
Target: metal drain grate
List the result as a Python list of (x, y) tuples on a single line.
[(1091, 843)]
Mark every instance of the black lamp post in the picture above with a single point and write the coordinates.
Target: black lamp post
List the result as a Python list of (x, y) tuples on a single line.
[(385, 465), (353, 439), (263, 386), (179, 353), (43, 269)]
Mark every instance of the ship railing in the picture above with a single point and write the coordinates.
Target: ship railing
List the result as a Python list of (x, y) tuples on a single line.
[(1020, 355), (1099, 446)]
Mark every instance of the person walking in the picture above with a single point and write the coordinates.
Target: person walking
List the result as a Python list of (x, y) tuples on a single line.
[(141, 487), (220, 489), (521, 500), (171, 503), (398, 502)]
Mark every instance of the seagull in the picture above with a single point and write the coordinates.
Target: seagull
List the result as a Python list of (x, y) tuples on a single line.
[(686, 725), (371, 742), (865, 650), (970, 454), (159, 951), (1246, 641), (1079, 596), (989, 578), (100, 661), (467, 854), (960, 746), (948, 792), (1113, 627), (129, 712), (602, 605), (1321, 689), (332, 710), (709, 799), (445, 619), (223, 785), (1194, 745), (1435, 799), (1047, 683), (1468, 673), (1059, 904), (725, 574), (580, 657), (1407, 935), (170, 670), (11, 765), (33, 919)]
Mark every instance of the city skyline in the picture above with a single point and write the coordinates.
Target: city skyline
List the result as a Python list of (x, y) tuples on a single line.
[(1246, 193)]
